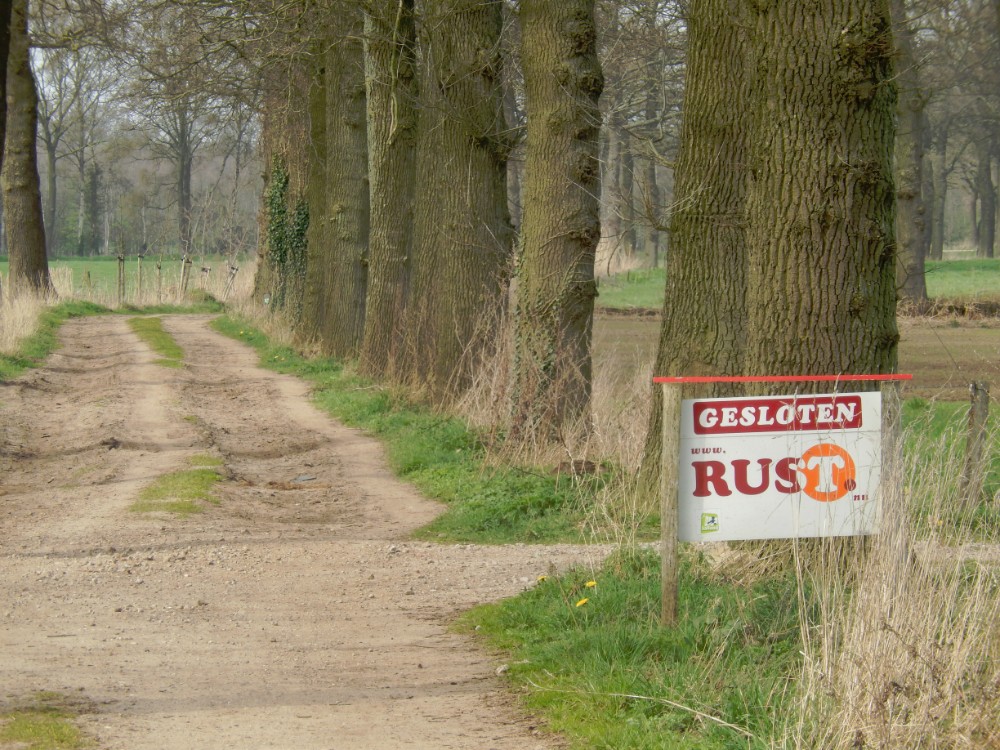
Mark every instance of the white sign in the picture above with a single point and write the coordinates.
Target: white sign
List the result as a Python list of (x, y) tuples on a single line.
[(779, 467)]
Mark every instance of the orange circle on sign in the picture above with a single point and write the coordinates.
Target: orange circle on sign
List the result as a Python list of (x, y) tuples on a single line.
[(842, 476)]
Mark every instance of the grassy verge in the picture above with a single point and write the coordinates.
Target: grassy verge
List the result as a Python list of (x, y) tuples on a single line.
[(936, 437), (151, 331), (440, 455), (182, 492), (595, 662), (35, 348), (43, 723)]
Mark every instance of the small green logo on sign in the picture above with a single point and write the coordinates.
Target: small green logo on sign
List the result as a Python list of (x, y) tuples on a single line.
[(709, 522)]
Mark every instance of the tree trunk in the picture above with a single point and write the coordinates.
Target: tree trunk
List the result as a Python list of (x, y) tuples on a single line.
[(390, 72), (337, 267), (315, 299), (651, 191), (821, 285), (938, 204), (986, 235), (704, 310), (23, 223), (5, 20), (50, 194), (461, 233), (911, 137), (185, 162), (561, 226), (626, 193)]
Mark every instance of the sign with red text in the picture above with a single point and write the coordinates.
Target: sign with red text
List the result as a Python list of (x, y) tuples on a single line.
[(776, 467)]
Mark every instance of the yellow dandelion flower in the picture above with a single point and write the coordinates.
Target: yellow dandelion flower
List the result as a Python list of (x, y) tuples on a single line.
[(590, 584), (542, 578), (582, 602)]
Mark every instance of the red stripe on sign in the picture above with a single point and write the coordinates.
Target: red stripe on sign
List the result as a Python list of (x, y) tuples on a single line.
[(779, 378), (787, 414)]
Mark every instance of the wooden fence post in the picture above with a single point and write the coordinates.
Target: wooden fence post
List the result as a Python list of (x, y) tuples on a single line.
[(975, 444), (121, 280), (668, 502)]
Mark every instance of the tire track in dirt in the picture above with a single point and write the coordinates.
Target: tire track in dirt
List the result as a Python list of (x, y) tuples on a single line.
[(292, 615)]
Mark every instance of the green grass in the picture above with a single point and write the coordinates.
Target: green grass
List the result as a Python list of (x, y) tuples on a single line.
[(37, 347), (952, 279), (607, 675), (44, 723), (182, 492), (936, 434), (103, 269), (439, 454), (151, 331), (633, 289), (972, 279)]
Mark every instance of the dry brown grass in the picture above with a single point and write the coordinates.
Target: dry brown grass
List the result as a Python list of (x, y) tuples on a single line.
[(908, 654), (19, 316)]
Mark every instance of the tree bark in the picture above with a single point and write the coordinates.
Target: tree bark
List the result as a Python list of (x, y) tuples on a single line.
[(561, 224), (347, 204), (703, 315), (23, 222), (390, 73), (315, 299), (821, 294), (462, 233), (911, 137), (651, 191), (51, 185), (337, 268), (626, 192), (5, 21)]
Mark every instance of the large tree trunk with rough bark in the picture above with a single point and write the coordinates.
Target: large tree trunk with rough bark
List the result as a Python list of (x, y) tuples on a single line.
[(461, 233), (5, 18), (390, 73), (821, 291), (22, 199), (561, 225), (704, 314), (911, 139), (314, 299), (337, 268)]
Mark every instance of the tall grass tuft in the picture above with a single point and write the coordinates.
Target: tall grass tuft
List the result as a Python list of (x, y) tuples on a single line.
[(908, 654)]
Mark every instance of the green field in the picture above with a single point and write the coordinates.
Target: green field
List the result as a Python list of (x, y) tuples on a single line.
[(971, 280)]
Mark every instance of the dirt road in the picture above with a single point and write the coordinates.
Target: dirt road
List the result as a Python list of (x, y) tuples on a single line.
[(294, 614)]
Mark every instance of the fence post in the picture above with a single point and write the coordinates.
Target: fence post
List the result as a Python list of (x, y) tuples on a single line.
[(121, 279), (975, 443), (668, 502), (138, 280)]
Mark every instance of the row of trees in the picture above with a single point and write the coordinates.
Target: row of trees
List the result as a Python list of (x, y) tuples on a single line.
[(425, 156), (410, 242), (782, 225)]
